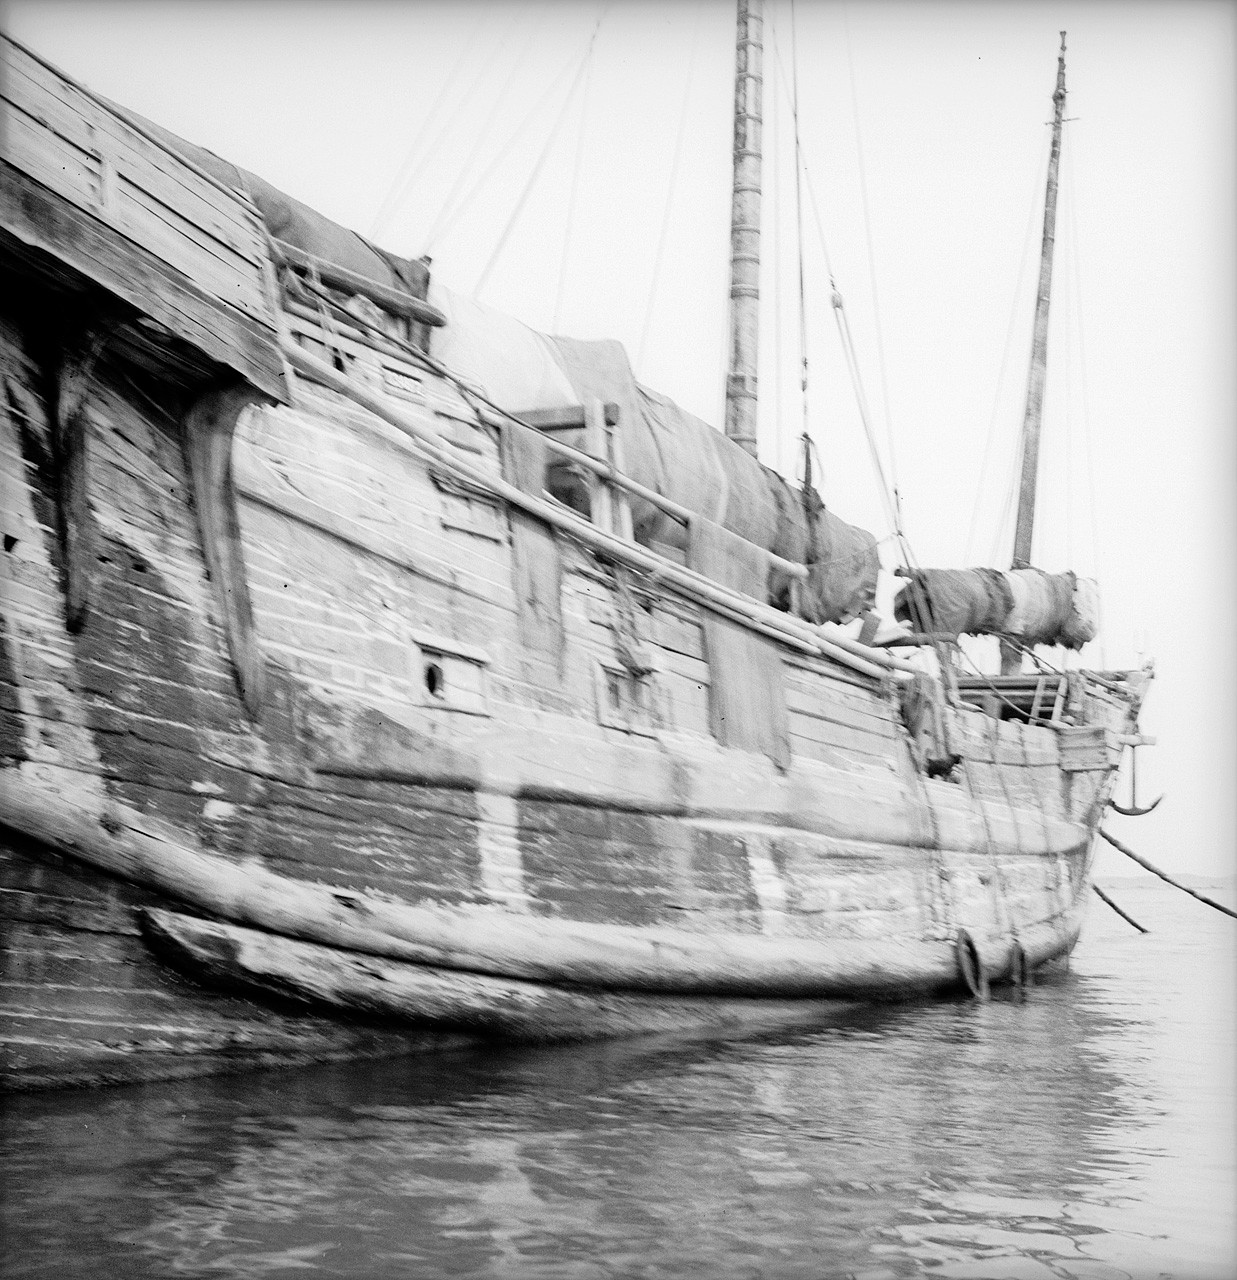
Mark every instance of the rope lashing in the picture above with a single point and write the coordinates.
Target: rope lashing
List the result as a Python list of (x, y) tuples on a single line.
[(1142, 862), (1129, 919)]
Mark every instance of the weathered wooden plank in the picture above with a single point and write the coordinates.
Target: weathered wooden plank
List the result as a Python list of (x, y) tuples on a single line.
[(321, 977), (208, 430), (161, 223), (846, 738), (823, 703), (504, 944), (41, 219), (80, 116)]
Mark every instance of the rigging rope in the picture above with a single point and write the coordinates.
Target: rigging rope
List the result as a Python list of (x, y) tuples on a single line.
[(483, 133), (410, 179), (447, 219), (1014, 312), (670, 192), (794, 109), (1092, 488), (773, 128), (585, 62), (379, 220), (889, 499), (1129, 919), (571, 198), (1142, 862), (876, 311)]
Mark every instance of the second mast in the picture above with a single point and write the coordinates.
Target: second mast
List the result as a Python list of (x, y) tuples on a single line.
[(744, 325)]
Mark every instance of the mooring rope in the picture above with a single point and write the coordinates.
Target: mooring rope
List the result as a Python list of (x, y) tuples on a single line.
[(1142, 862), (1129, 919)]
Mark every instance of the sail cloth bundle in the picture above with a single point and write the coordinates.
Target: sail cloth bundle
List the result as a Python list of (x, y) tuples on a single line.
[(1027, 604)]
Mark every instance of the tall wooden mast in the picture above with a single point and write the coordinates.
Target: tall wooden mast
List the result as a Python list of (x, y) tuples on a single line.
[(1033, 416), (1039, 342), (745, 230)]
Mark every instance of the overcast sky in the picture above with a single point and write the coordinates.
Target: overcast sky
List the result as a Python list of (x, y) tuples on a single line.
[(385, 116)]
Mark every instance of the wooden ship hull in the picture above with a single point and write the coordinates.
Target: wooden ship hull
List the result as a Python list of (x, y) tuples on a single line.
[(320, 730)]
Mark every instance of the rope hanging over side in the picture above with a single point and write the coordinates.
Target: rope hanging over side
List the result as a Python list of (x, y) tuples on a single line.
[(1129, 919), (1155, 871)]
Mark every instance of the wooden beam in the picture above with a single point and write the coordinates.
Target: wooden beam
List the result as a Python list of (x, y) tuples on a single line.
[(601, 496), (39, 219), (208, 429), (505, 944), (353, 985), (76, 361), (337, 277), (564, 417)]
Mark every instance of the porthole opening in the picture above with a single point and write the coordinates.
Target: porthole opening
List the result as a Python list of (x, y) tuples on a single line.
[(434, 679)]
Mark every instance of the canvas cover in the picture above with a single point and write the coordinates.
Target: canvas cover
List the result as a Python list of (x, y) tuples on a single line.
[(1026, 604), (665, 448)]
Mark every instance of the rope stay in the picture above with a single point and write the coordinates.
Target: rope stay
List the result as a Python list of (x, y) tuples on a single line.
[(1014, 313), (671, 190), (1097, 547), (447, 219), (585, 62), (890, 500), (881, 363), (794, 108), (382, 218), (577, 165), (447, 208)]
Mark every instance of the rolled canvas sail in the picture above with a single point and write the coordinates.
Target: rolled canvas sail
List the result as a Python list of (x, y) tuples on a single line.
[(1027, 604)]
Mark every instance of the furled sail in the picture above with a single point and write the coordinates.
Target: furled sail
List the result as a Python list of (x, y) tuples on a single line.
[(1028, 605)]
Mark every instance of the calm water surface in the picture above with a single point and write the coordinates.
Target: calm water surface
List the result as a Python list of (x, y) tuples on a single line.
[(1089, 1131)]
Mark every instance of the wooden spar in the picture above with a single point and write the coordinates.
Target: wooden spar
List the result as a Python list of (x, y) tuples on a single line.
[(505, 944), (1011, 658), (745, 230), (208, 428), (347, 983), (330, 273), (731, 604), (1033, 416)]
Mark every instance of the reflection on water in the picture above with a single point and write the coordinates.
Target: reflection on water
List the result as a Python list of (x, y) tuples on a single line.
[(1085, 1132)]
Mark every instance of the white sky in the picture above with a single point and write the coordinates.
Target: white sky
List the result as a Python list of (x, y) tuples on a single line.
[(948, 109)]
